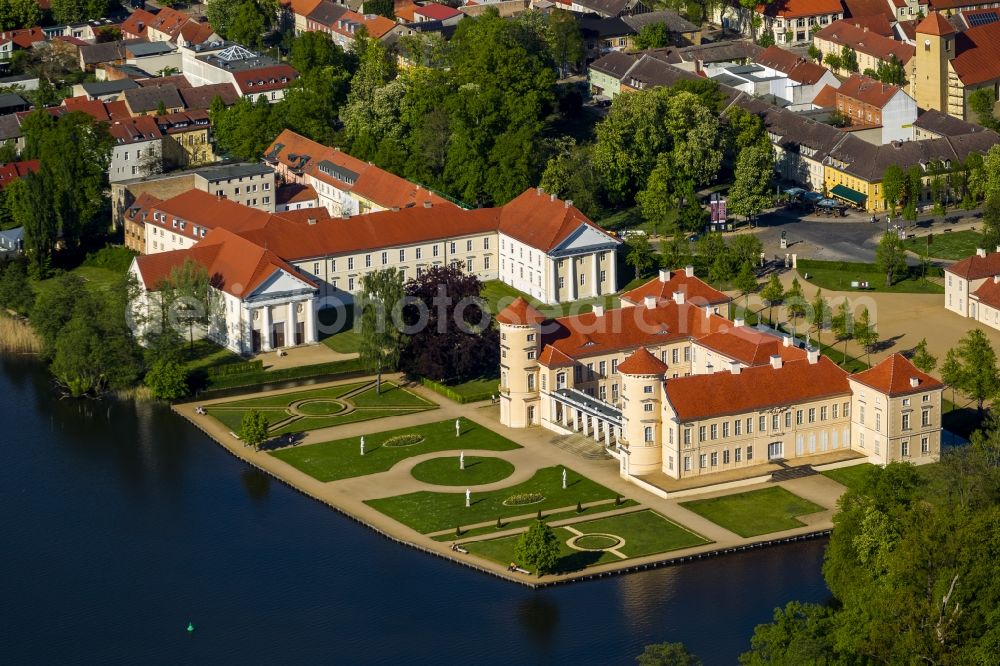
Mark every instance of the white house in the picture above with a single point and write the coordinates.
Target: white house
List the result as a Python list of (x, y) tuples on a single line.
[(255, 76), (972, 287), (138, 149)]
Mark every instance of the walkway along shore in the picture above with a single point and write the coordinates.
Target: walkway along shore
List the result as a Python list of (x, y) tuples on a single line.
[(344, 499)]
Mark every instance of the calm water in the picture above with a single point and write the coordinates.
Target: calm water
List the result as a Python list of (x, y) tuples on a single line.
[(121, 524)]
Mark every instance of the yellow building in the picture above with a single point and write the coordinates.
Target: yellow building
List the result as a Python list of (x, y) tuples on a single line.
[(190, 136), (951, 65), (675, 390)]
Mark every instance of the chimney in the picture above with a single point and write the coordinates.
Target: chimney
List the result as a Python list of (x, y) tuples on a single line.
[(708, 312), (998, 248), (311, 221), (539, 191), (787, 341), (428, 204), (981, 253), (996, 279), (689, 271), (679, 297), (568, 203), (739, 323), (734, 367), (552, 197), (598, 310), (649, 301), (345, 215), (776, 362), (664, 275), (813, 356), (914, 382), (395, 209)]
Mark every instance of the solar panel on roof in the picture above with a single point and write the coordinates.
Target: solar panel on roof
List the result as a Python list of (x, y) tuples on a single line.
[(984, 18)]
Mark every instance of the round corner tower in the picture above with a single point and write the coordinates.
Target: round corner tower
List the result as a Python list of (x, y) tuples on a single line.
[(642, 395), (520, 341)]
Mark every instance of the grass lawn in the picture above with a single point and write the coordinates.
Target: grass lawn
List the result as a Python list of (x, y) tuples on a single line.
[(756, 512), (476, 387), (954, 245), (478, 470), (644, 533), (851, 477), (343, 338), (322, 408), (341, 459), (206, 354), (427, 511), (838, 276), (546, 517)]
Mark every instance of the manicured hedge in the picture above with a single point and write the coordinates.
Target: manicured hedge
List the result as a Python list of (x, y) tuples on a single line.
[(229, 369), (859, 267), (453, 395), (334, 370)]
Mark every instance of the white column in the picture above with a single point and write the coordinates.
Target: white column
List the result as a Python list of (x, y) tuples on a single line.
[(613, 270), (265, 328), (565, 414), (597, 430), (309, 311), (576, 419), (290, 325), (607, 433), (595, 273), (554, 263), (572, 277)]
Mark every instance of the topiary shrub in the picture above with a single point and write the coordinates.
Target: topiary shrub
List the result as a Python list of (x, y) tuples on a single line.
[(403, 440)]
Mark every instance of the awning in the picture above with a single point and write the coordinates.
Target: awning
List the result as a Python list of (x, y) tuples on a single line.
[(847, 194)]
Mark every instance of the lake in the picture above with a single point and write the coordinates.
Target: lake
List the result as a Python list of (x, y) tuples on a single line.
[(123, 523)]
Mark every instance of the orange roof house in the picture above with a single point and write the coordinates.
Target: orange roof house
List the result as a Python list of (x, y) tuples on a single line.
[(896, 376)]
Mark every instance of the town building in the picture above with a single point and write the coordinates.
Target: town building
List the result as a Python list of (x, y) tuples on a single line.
[(344, 185), (342, 25), (934, 124), (871, 49), (256, 76), (168, 25), (868, 103), (803, 79), (951, 65), (972, 287), (675, 390), (605, 8), (789, 21), (15, 170), (250, 185)]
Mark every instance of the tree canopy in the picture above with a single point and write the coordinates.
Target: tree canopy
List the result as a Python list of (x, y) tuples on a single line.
[(538, 548), (380, 303)]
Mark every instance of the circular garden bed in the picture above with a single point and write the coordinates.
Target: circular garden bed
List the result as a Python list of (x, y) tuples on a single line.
[(524, 499), (596, 542), (319, 407), (445, 471), (403, 440)]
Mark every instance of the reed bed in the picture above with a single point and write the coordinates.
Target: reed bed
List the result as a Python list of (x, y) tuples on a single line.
[(17, 336)]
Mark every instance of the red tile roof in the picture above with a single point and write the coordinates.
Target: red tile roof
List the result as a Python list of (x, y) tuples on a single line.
[(866, 8), (520, 313), (234, 264), (553, 358), (877, 23), (844, 33), (760, 387), (795, 67), (976, 267), (893, 377), (935, 24), (302, 7), (135, 130), (988, 292), (305, 215), (641, 362), (201, 97), (800, 8), (542, 220), (867, 90), (137, 22), (178, 81), (750, 346), (436, 12), (978, 59), (24, 37), (294, 193), (625, 329), (826, 98), (13, 170), (694, 289), (404, 10), (265, 79)]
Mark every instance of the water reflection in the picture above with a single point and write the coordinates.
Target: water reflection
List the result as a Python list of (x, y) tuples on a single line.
[(256, 483), (538, 616)]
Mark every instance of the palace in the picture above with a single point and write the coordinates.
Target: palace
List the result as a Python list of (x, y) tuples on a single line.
[(672, 387)]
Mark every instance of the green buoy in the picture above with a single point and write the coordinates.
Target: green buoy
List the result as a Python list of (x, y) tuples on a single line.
[(190, 627)]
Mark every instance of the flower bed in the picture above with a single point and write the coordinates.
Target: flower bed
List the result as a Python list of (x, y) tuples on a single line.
[(523, 499), (403, 440)]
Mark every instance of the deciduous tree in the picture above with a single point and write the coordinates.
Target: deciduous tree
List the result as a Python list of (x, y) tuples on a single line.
[(667, 654), (890, 256), (843, 325), (922, 358), (254, 428), (167, 379), (819, 314), (772, 293), (971, 367), (653, 36), (751, 190), (865, 333), (640, 255), (380, 305), (538, 548), (893, 186), (19, 14)]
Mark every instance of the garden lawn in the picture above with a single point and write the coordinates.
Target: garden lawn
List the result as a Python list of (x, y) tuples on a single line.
[(954, 245), (427, 511), (644, 532), (852, 476), (341, 459), (838, 276), (498, 295), (591, 510), (755, 512), (478, 470), (363, 406)]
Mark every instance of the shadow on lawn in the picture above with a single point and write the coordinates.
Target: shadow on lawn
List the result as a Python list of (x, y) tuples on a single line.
[(577, 561), (282, 442)]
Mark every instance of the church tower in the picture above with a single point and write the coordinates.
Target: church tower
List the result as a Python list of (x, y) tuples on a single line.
[(642, 427), (520, 341), (935, 49)]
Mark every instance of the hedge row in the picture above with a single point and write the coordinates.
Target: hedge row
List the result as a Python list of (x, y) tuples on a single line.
[(229, 369), (351, 366), (453, 395), (860, 267)]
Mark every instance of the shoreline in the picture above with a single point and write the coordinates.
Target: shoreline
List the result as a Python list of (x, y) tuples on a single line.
[(263, 462)]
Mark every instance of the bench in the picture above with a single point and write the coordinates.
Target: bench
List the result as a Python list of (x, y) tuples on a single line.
[(234, 434)]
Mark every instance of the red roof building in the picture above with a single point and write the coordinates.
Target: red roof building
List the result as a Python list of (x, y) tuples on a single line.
[(683, 282), (642, 363), (14, 170)]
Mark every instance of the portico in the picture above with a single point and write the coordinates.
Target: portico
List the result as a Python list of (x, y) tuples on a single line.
[(576, 411)]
